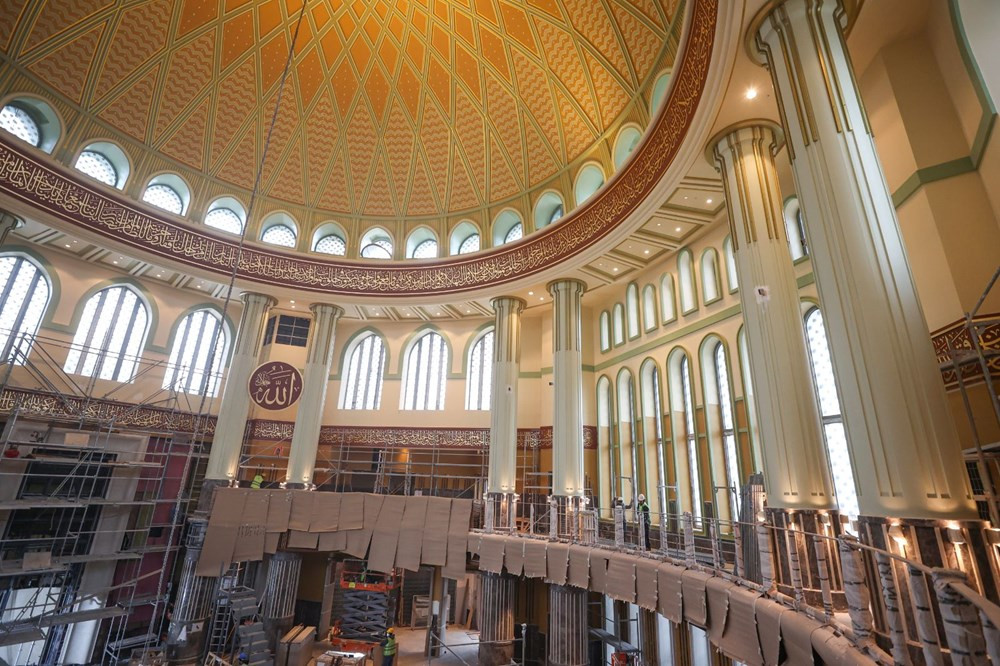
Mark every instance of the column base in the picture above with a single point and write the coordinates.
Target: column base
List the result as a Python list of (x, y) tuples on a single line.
[(573, 519), (969, 546), (280, 593), (499, 512), (188, 628), (496, 654), (795, 526), (569, 631)]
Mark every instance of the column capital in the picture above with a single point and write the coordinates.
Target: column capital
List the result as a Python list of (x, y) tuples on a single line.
[(335, 310), (847, 12), (513, 303), (565, 284), (255, 298), (750, 130)]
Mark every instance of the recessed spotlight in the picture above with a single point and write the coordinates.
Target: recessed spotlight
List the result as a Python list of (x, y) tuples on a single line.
[(67, 244), (645, 251), (291, 301), (658, 224), (541, 298), (751, 93), (685, 198), (115, 262), (615, 269), (531, 293), (677, 229), (708, 201)]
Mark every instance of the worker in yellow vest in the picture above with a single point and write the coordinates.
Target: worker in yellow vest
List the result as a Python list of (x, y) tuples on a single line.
[(258, 479), (389, 647)]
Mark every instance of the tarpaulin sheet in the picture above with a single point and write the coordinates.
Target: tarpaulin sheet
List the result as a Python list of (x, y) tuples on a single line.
[(836, 650), (352, 511), (695, 607), (740, 638), (768, 614), (411, 533), (271, 540), (513, 557), (534, 558), (326, 513), (796, 633), (670, 591), (358, 540), (475, 540), (251, 536), (279, 509), (557, 562), (332, 541), (303, 540), (645, 584), (620, 583), (303, 502), (718, 607), (458, 538), (221, 533), (491, 553), (434, 550), (598, 570), (579, 567), (386, 534)]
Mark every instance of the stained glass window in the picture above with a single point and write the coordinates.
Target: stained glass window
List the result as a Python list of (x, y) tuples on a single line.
[(110, 335), (479, 384), (97, 166), (24, 295), (196, 358), (833, 421), (225, 219), (279, 234), (165, 197), (470, 244), (361, 387), (424, 373), (331, 244), (19, 122)]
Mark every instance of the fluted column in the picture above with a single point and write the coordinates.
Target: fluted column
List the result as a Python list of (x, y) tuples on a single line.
[(503, 394), (8, 223), (796, 470), (281, 589), (568, 628), (567, 371), (224, 457), (495, 616), (904, 448), (309, 416)]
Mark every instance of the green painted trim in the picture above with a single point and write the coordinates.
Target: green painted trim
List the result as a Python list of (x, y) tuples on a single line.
[(985, 128), (529, 375), (722, 315), (805, 280), (931, 174), (51, 274), (804, 258)]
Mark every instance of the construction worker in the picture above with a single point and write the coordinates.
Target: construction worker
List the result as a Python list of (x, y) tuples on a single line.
[(643, 508), (258, 479), (389, 647)]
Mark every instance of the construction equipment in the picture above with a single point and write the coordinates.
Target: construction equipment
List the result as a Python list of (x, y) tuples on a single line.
[(365, 606)]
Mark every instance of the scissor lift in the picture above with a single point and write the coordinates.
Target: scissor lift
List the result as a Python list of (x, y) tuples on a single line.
[(365, 608)]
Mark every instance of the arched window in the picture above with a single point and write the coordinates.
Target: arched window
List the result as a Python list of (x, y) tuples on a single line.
[(279, 234), (24, 295), (727, 423), (659, 94), (516, 232), (470, 244), (588, 181), (605, 331), (618, 324), (110, 335), (652, 432), (548, 209), (361, 384), (632, 310), (668, 304), (649, 308), (17, 121), (748, 395), (479, 382), (427, 249), (606, 464), (424, 373), (629, 464), (165, 197), (626, 142), (224, 219), (691, 439), (795, 229), (331, 244), (710, 276), (731, 276), (507, 228), (196, 358), (685, 272), (97, 166), (833, 420), (375, 244)]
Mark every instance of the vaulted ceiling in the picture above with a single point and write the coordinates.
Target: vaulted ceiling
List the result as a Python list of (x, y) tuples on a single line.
[(404, 108)]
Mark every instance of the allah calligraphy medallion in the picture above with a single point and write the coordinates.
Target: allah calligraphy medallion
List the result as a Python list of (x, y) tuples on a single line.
[(275, 385)]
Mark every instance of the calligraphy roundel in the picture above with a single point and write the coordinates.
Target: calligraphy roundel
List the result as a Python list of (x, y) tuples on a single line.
[(275, 385)]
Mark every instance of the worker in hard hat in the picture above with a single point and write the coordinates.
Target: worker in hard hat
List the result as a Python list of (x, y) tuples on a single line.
[(258, 481), (389, 647), (642, 508)]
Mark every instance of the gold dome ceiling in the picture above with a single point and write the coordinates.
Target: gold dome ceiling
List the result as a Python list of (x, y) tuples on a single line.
[(392, 109)]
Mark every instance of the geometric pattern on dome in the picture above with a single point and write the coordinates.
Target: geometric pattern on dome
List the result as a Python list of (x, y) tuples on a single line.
[(392, 108)]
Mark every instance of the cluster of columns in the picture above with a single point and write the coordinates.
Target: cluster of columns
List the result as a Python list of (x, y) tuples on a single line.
[(902, 442)]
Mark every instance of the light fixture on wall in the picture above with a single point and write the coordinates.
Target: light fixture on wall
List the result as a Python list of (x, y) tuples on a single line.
[(751, 93)]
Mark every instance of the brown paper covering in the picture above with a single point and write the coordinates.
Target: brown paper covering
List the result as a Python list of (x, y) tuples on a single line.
[(534, 558), (557, 563)]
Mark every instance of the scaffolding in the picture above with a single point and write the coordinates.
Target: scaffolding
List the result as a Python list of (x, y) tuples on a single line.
[(93, 496)]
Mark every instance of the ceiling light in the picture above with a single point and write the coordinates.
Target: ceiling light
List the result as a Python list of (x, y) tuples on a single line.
[(67, 244), (531, 293), (115, 262), (708, 201), (677, 229), (541, 298), (645, 251), (291, 301), (615, 269), (751, 93)]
